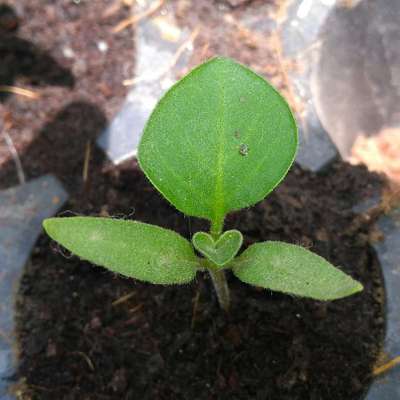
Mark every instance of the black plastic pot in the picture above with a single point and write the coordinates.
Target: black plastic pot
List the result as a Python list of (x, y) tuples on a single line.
[(23, 208)]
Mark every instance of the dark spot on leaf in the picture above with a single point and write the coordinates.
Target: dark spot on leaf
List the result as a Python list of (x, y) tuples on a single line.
[(243, 149), (237, 134)]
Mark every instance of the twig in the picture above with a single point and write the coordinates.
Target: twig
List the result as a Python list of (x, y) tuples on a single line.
[(15, 156), (30, 94), (189, 41), (136, 308), (203, 51), (195, 308), (134, 19), (132, 320), (123, 299), (174, 61), (316, 44), (112, 9), (85, 171), (38, 387), (385, 367), (281, 14), (85, 357), (13, 150), (253, 38)]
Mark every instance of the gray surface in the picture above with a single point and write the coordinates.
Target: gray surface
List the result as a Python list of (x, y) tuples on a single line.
[(356, 72), (154, 57), (303, 24), (316, 149), (349, 61), (22, 210), (387, 387), (299, 34), (349, 83)]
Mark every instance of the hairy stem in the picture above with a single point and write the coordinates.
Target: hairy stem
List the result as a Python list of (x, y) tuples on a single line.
[(218, 275), (216, 228), (221, 287)]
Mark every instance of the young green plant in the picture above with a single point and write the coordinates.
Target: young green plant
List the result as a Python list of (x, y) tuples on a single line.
[(220, 140)]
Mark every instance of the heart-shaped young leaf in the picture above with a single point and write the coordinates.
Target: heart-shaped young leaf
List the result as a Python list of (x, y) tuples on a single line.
[(134, 249), (219, 251), (293, 269), (219, 140)]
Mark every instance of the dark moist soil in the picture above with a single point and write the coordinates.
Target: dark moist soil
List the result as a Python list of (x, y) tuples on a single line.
[(81, 339), (66, 53), (246, 30)]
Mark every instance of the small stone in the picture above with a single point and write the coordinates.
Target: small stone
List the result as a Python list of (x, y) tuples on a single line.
[(233, 335), (95, 323), (102, 46), (320, 311), (55, 200), (356, 384), (375, 235), (68, 52), (51, 350), (155, 363), (322, 235), (79, 67), (233, 380), (119, 381), (104, 211)]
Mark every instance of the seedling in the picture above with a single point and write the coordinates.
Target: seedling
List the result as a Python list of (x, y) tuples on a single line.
[(221, 139)]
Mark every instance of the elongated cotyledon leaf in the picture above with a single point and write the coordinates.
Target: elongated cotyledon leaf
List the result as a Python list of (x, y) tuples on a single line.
[(219, 140), (293, 269), (134, 249)]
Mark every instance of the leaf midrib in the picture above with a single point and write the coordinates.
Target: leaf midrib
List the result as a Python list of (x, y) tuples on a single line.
[(219, 199)]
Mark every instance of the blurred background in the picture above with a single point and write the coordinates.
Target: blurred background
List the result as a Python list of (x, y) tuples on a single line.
[(78, 74), (79, 78)]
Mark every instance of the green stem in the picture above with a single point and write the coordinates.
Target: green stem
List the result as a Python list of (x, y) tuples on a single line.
[(221, 286), (216, 227), (218, 275)]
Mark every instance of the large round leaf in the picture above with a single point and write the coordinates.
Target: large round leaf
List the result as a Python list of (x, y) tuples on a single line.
[(131, 248), (219, 140)]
